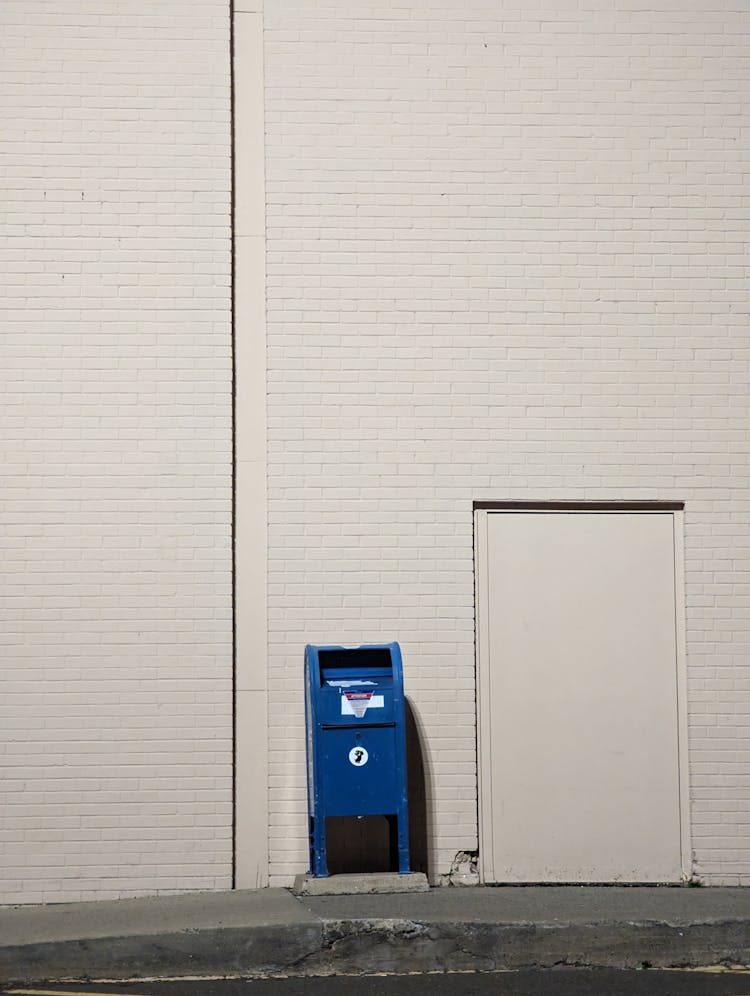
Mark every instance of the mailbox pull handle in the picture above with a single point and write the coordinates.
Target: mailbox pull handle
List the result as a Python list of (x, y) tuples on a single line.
[(352, 726)]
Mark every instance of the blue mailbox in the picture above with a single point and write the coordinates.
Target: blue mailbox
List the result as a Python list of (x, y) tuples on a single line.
[(356, 741)]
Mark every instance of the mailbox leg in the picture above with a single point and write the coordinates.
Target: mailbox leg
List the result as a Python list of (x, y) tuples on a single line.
[(403, 844), (311, 842), (318, 856)]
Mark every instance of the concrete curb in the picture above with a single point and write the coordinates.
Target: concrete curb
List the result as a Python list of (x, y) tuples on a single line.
[(261, 950), (358, 946), (371, 946)]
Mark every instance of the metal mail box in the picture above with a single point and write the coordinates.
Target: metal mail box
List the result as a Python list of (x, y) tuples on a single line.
[(356, 741)]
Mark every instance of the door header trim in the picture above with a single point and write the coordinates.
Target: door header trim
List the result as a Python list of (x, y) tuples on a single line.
[(579, 506)]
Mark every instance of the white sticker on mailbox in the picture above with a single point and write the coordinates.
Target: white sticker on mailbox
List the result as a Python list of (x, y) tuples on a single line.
[(358, 756), (357, 703)]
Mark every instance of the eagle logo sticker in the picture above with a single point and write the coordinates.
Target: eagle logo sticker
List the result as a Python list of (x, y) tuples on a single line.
[(358, 756)]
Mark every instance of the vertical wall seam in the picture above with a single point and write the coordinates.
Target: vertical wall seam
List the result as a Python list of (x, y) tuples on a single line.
[(234, 437)]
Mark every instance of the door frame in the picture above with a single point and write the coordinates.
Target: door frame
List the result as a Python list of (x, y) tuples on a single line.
[(482, 511)]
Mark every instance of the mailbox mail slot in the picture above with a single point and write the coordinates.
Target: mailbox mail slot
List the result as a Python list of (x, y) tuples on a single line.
[(356, 741)]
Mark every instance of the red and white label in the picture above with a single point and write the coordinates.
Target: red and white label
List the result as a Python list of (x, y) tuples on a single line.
[(348, 705), (358, 701)]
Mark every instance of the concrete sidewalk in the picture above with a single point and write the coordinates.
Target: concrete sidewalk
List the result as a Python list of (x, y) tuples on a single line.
[(270, 931)]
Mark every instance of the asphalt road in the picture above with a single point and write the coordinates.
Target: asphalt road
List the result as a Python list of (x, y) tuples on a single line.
[(554, 982)]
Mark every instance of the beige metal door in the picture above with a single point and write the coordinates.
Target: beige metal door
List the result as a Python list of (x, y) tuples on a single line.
[(579, 728)]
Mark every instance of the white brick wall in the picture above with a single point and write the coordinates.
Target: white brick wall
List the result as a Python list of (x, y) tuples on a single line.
[(115, 695), (506, 260)]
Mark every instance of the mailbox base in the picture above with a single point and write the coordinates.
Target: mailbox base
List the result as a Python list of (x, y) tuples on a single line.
[(319, 843), (360, 885)]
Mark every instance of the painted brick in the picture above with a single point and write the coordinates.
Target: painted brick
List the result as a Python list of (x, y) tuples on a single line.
[(115, 712), (505, 261)]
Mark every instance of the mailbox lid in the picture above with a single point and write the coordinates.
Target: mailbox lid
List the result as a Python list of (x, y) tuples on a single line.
[(356, 684), (370, 663), (378, 663)]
